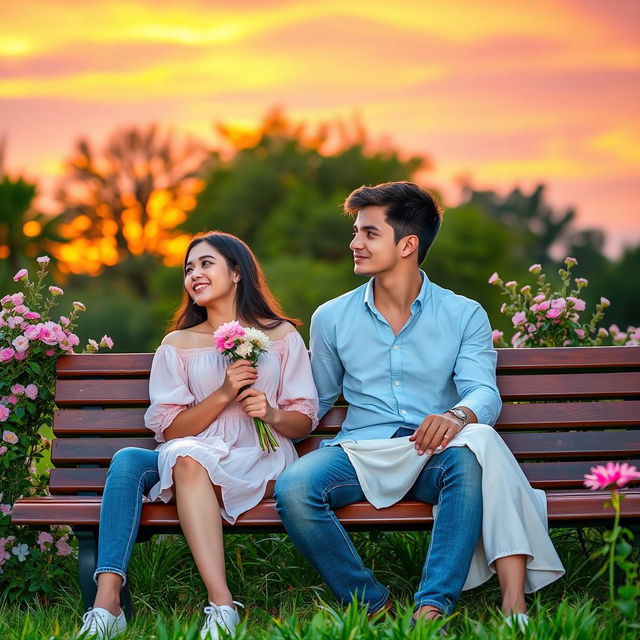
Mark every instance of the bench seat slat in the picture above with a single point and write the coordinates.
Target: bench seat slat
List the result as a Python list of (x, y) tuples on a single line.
[(569, 415), (563, 507), (66, 451), (542, 475)]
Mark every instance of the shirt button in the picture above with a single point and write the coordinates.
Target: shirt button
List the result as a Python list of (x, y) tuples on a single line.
[(397, 383), (396, 347), (404, 412)]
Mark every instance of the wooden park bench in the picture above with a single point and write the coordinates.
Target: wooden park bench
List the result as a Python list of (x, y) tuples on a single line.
[(565, 410)]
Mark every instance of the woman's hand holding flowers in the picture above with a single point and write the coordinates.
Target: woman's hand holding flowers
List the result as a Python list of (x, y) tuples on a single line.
[(254, 404), (239, 374)]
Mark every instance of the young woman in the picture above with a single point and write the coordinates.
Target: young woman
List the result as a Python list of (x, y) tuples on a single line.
[(202, 411)]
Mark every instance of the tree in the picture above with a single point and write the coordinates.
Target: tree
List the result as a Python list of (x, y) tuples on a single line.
[(125, 201)]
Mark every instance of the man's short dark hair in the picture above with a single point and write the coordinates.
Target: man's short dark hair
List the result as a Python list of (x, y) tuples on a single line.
[(409, 210)]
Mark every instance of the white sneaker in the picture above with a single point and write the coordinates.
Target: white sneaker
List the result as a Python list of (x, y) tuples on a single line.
[(101, 624), (518, 621), (220, 617)]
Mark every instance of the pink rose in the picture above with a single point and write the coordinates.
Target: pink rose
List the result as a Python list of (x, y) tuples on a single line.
[(21, 343), (49, 352), (5, 299), (21, 275), (580, 333), (31, 391), (558, 303), (44, 538), (518, 318), (63, 548), (18, 389), (17, 298), (8, 436), (47, 335), (539, 298), (6, 354), (20, 355), (64, 321), (544, 305), (554, 314), (20, 309), (4, 414), (11, 399), (32, 315), (106, 341), (496, 335), (32, 331)]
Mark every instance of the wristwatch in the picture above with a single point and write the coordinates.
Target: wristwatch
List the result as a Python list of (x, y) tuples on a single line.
[(459, 413)]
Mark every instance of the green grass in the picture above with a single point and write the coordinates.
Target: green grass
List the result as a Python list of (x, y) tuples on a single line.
[(286, 600)]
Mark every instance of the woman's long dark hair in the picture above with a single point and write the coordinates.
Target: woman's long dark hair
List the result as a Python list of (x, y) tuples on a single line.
[(254, 301)]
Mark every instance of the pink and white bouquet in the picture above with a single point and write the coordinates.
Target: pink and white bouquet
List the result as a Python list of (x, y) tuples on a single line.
[(242, 343)]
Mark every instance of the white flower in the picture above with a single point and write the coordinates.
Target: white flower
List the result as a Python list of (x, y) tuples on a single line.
[(22, 551), (244, 349), (257, 337)]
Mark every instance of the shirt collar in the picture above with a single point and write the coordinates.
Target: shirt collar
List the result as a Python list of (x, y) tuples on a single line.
[(419, 302)]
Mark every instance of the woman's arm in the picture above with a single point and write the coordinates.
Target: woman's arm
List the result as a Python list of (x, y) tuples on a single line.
[(292, 424), (197, 418)]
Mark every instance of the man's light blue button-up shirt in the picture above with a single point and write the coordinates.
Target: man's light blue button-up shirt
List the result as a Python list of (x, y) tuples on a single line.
[(443, 357)]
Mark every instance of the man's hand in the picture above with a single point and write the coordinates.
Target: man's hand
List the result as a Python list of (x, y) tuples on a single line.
[(435, 432)]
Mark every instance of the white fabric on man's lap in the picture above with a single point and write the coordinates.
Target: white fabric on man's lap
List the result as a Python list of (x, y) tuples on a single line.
[(514, 519)]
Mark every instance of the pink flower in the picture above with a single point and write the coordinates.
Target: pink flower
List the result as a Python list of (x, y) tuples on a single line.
[(578, 304), (63, 548), (580, 333), (21, 343), (18, 389), (21, 275), (542, 306), (618, 474), (581, 282), (44, 538), (64, 321), (3, 450), (49, 352), (570, 262), (517, 340), (531, 328), (558, 303), (20, 355), (496, 335), (494, 278), (47, 334), (512, 284), (20, 309), (526, 290), (518, 318), (4, 414), (602, 332), (11, 399), (605, 302), (78, 306), (43, 260), (5, 299), (554, 314), (31, 391), (56, 291), (106, 341), (9, 436), (5, 509), (32, 331), (92, 346), (226, 334), (17, 298), (32, 315), (535, 269), (6, 354), (614, 329)]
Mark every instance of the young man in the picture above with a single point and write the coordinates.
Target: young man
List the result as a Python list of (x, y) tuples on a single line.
[(411, 359)]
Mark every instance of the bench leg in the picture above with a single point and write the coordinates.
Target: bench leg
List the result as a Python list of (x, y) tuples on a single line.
[(87, 562)]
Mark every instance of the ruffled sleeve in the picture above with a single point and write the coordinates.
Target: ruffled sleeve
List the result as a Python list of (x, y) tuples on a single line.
[(168, 390), (297, 391)]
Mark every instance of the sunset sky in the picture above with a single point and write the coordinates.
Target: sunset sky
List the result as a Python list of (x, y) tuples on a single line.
[(504, 93)]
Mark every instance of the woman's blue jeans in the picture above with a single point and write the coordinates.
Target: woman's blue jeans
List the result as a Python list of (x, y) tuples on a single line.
[(309, 490), (132, 473)]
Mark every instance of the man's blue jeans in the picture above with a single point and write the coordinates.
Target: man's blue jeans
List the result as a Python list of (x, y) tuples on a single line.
[(311, 488), (132, 473)]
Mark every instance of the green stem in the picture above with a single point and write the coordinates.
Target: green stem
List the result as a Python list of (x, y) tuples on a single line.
[(615, 501)]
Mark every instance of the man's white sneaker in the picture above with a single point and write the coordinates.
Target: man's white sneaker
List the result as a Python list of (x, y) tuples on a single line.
[(220, 617), (101, 624)]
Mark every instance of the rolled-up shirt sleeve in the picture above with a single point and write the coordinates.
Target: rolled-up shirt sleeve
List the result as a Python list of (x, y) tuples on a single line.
[(328, 371), (475, 368), (168, 390)]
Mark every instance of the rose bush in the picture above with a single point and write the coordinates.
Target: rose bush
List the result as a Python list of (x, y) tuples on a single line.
[(30, 344), (547, 318)]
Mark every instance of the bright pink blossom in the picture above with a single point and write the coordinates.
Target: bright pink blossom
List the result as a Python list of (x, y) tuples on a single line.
[(226, 334), (106, 341), (519, 318), (21, 275), (558, 303), (17, 298), (5, 509), (18, 389), (31, 391), (4, 414), (44, 538), (20, 355), (32, 315), (32, 331), (580, 333), (554, 314), (494, 278), (6, 354), (578, 304), (49, 352), (618, 474), (496, 335), (20, 309)]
